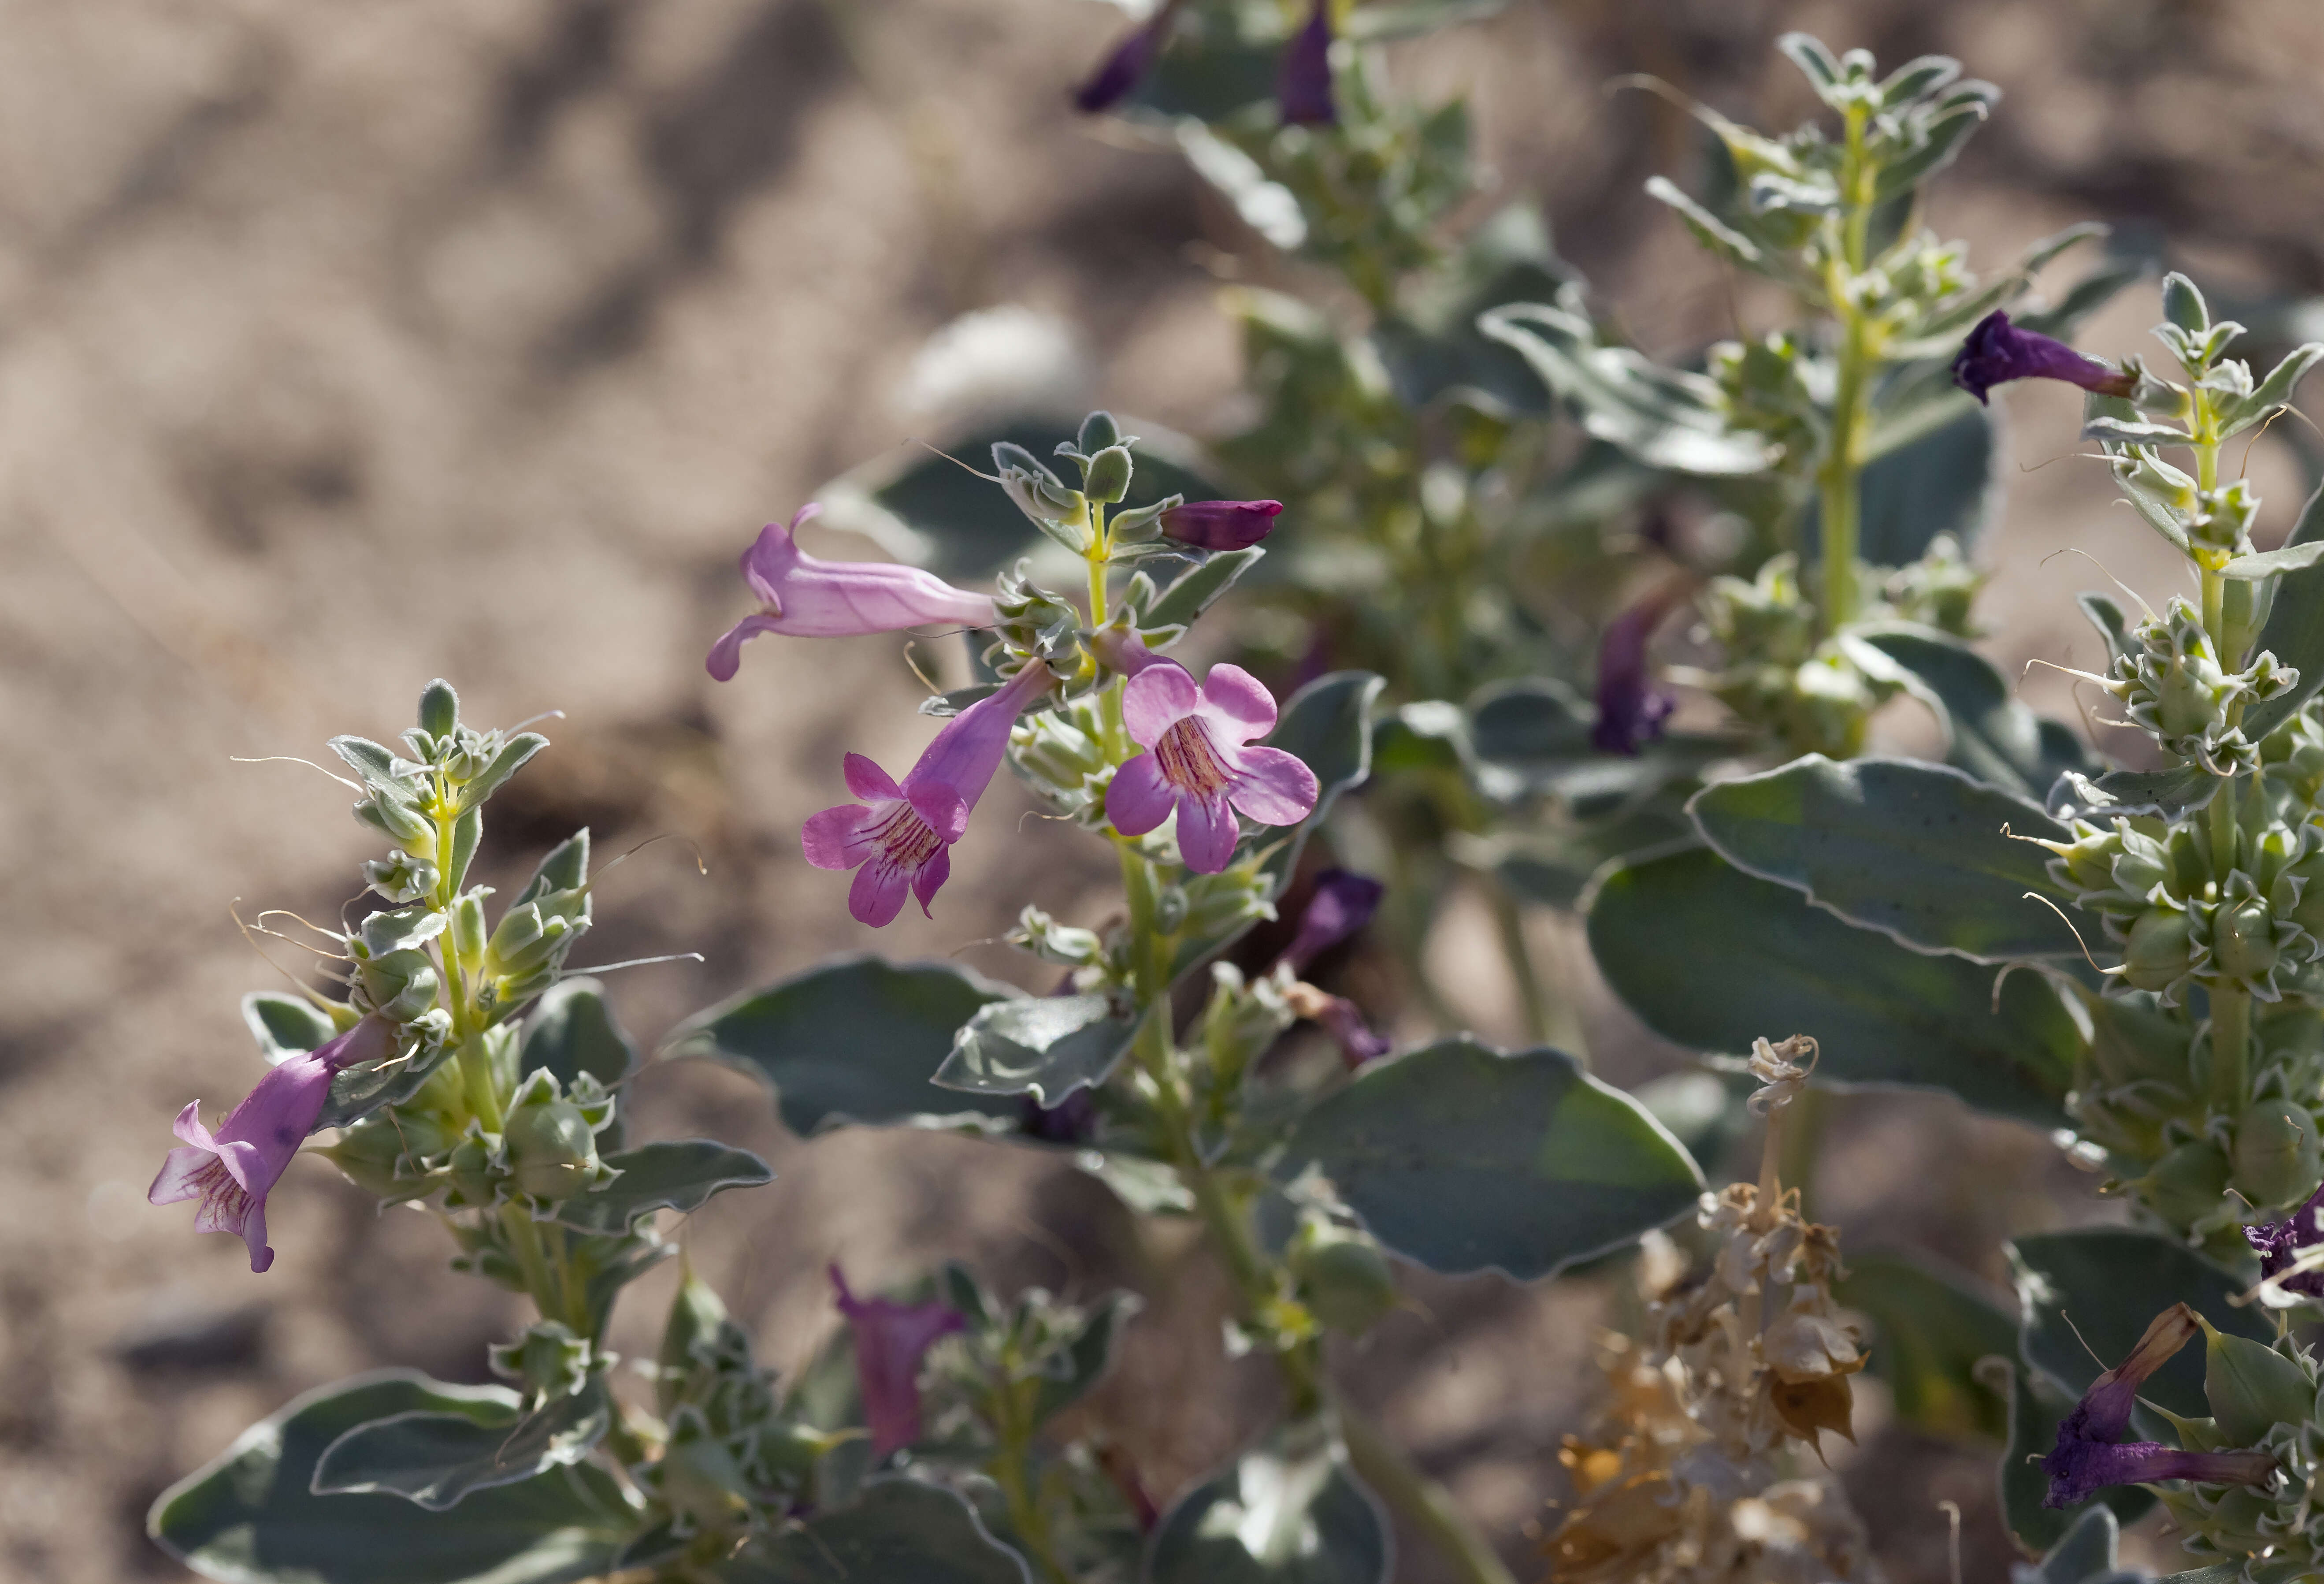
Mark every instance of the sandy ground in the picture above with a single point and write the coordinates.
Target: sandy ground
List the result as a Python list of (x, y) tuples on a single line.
[(344, 346)]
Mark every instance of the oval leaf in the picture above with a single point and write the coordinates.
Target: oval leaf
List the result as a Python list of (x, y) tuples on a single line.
[(1466, 1158), (250, 1515), (1287, 1512), (673, 1175), (1919, 852), (1712, 958), (1046, 1046), (898, 1529), (1995, 737), (435, 1458), (854, 1040)]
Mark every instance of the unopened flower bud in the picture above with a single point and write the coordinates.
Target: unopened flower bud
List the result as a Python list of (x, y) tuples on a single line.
[(468, 934), (473, 1175), (2187, 1185), (1344, 1280), (398, 985), (2160, 951), (552, 1149), (1221, 525), (439, 709), (2243, 945)]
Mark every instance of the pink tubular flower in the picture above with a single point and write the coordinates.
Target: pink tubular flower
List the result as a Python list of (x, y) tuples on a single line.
[(809, 598), (1201, 763), (899, 838), (231, 1171), (892, 1339)]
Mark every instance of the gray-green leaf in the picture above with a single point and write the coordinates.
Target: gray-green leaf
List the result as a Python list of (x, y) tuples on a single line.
[(1046, 1046), (1465, 1158), (436, 1458), (854, 1040), (572, 1031), (898, 1530), (251, 1516), (1919, 852), (1287, 1512), (676, 1175), (1714, 958)]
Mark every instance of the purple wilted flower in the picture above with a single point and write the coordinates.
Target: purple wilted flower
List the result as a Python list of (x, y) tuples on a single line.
[(232, 1170), (1071, 1121), (892, 1339), (1221, 525), (1201, 761), (1118, 76), (1631, 704), (2087, 1458), (1997, 352), (2278, 1244), (1344, 903), (1342, 1018), (1303, 74), (899, 838), (806, 597)]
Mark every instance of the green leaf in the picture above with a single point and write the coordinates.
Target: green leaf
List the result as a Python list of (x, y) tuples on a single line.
[(1714, 958), (2294, 634), (925, 509), (2273, 392), (1995, 737), (2036, 1404), (2167, 792), (1661, 416), (563, 868), (1046, 1046), (854, 1040), (2292, 558), (1289, 1511), (251, 1517), (511, 759), (1466, 1158), (1192, 592), (1431, 345), (1915, 851), (572, 1031), (898, 1531), (286, 1026), (1930, 1328), (673, 1175), (436, 1458), (2107, 1284)]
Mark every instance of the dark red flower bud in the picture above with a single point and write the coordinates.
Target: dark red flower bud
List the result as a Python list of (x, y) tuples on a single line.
[(1221, 525)]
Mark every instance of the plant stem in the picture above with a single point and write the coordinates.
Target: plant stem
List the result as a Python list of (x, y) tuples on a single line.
[(2230, 1003), (1839, 476), (1547, 1021), (1008, 1471), (1424, 1504), (1226, 1221)]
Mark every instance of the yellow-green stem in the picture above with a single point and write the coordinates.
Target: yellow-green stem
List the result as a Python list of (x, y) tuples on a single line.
[(1226, 1222), (1839, 478), (1014, 1432), (1426, 1505), (2230, 1003)]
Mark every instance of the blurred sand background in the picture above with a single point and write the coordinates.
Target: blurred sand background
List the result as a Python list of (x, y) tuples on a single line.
[(342, 346)]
